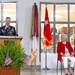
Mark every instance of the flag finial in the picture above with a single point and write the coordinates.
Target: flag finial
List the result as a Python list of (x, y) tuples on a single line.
[(35, 3)]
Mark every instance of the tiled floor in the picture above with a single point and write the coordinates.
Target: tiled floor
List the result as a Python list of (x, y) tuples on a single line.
[(40, 72)]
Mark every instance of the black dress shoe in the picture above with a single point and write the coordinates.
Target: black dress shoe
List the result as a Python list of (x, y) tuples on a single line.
[(66, 74), (48, 69)]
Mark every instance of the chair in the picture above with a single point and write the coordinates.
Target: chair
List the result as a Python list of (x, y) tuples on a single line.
[(57, 67), (61, 66)]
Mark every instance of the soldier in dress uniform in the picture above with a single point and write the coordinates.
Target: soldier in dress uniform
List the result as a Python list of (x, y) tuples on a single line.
[(7, 30)]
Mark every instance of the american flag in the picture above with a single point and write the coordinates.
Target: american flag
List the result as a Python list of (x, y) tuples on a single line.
[(8, 60), (24, 56), (27, 59)]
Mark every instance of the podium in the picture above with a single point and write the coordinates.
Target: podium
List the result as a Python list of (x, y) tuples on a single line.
[(16, 39)]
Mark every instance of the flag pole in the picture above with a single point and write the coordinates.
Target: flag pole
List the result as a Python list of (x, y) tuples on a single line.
[(46, 68), (34, 60), (35, 68), (45, 51), (47, 34), (34, 33), (36, 30), (46, 58)]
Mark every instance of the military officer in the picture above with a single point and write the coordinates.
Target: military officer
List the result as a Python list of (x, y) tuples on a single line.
[(7, 30)]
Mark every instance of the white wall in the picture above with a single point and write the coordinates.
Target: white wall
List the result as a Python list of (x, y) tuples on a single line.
[(24, 15)]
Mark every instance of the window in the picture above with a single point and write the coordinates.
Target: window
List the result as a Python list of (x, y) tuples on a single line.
[(62, 20), (8, 9)]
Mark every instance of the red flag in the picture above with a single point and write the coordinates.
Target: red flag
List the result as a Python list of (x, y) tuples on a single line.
[(35, 20), (47, 30)]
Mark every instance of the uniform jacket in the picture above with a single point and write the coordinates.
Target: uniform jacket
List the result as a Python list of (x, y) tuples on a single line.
[(9, 31), (61, 49)]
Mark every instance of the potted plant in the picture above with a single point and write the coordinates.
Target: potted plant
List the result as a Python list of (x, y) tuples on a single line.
[(11, 58)]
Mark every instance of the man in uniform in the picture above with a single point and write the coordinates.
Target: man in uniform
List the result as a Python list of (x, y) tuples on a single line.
[(8, 30)]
